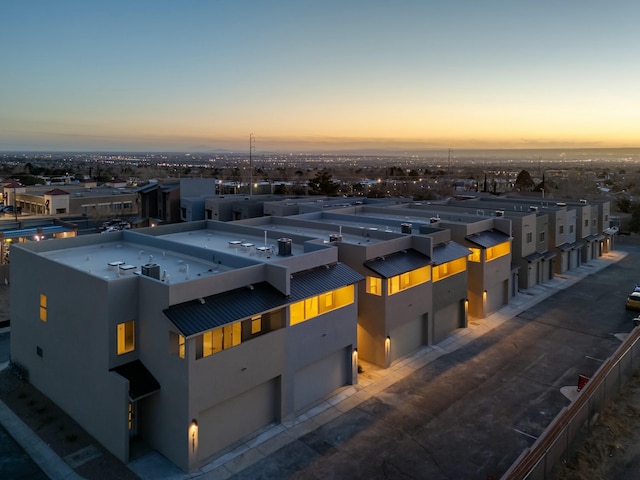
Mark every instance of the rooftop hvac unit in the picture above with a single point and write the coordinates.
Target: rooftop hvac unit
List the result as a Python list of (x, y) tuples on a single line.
[(335, 237), (434, 219), (284, 247), (583, 201), (499, 213), (405, 228), (151, 270), (533, 209)]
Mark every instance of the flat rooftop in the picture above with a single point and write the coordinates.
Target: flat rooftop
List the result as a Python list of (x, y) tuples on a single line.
[(242, 245), (114, 260)]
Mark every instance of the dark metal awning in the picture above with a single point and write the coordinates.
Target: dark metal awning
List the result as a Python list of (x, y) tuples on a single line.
[(312, 282), (533, 257), (548, 255), (448, 251), (200, 315), (488, 238), (398, 263), (197, 316), (141, 382)]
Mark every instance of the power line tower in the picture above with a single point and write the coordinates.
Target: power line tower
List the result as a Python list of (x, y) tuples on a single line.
[(252, 146)]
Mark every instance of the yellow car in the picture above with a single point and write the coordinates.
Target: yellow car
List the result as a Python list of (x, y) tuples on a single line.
[(633, 300)]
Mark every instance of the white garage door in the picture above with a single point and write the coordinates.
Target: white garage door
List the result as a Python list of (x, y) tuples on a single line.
[(236, 418), (406, 338), (321, 378), (446, 321)]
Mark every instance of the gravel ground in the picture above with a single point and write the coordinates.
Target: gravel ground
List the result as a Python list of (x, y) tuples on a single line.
[(612, 450)]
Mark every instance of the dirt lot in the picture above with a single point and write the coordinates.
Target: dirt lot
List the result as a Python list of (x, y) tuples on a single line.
[(612, 450)]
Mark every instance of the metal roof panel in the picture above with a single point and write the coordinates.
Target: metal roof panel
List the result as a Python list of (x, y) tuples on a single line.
[(449, 251), (398, 263)]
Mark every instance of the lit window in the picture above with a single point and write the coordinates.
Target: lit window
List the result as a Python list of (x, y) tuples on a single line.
[(219, 339), (181, 346), (126, 341), (374, 286), (43, 307), (177, 344), (449, 268), (474, 256), (410, 279), (231, 335), (256, 324), (498, 251), (314, 306)]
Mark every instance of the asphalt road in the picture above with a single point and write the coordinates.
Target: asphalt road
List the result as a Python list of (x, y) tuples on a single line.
[(471, 413)]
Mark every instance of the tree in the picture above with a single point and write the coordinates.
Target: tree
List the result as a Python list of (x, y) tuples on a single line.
[(634, 223), (524, 182), (322, 184)]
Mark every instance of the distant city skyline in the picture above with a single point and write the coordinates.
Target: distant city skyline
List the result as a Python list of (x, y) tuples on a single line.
[(311, 76)]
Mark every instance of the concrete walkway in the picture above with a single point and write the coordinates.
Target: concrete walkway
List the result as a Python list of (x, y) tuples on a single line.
[(270, 439)]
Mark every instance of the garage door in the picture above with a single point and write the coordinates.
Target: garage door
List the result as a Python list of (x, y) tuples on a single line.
[(321, 378), (446, 321), (237, 417), (407, 338)]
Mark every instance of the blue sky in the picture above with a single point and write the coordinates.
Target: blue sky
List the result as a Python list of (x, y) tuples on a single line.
[(300, 75)]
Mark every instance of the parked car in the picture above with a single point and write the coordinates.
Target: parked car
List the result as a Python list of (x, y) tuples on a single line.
[(115, 224), (633, 301)]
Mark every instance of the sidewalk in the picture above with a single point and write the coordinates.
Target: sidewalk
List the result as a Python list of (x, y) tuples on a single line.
[(372, 381)]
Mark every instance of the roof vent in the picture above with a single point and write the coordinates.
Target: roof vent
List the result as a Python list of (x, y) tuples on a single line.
[(533, 208), (151, 270), (499, 213), (583, 201), (405, 228), (284, 247)]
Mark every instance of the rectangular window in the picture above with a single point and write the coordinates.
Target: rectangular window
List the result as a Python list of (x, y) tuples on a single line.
[(586, 222), (127, 204), (326, 302), (561, 229), (407, 280), (529, 237), (231, 335), (448, 269), (181, 346), (474, 256), (498, 251), (256, 324), (542, 237), (43, 307), (570, 228), (126, 339), (177, 344), (374, 286), (219, 339)]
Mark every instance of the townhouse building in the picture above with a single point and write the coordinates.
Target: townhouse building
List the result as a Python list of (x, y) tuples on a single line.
[(191, 340), (415, 286)]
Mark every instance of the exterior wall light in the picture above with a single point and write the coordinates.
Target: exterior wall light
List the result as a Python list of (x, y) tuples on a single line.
[(387, 352)]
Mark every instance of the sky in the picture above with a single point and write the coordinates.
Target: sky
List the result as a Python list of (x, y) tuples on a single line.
[(305, 75)]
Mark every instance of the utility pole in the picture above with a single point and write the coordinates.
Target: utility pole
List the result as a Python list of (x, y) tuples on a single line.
[(252, 146)]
